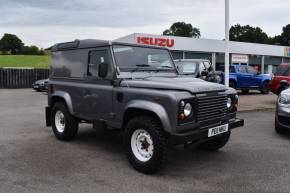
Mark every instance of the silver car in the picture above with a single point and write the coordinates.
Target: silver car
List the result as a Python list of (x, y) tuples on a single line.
[(282, 120)]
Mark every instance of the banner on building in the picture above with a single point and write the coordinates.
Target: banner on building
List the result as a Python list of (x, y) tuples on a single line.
[(240, 58)]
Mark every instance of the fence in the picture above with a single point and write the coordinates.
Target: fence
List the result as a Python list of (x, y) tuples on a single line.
[(21, 78)]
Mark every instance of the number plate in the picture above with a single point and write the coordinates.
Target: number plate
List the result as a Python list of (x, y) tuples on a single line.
[(218, 130)]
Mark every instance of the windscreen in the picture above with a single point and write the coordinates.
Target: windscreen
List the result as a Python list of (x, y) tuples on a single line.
[(130, 58), (281, 70)]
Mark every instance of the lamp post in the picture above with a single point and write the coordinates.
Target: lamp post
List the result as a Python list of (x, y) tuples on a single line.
[(227, 37)]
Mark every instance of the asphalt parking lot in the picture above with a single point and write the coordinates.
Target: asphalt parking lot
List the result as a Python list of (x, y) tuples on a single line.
[(32, 160)]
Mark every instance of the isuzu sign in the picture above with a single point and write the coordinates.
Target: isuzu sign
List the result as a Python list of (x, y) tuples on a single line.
[(163, 42)]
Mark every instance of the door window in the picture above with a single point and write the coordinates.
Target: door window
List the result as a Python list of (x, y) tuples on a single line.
[(242, 69), (96, 58), (251, 70)]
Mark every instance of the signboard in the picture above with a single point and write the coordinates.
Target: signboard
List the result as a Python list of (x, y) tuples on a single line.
[(152, 41), (239, 58), (287, 52)]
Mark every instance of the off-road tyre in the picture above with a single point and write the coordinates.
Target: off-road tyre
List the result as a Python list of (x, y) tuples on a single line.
[(71, 124), (216, 143), (154, 128)]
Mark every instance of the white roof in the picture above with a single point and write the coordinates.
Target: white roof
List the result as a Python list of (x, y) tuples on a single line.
[(209, 45)]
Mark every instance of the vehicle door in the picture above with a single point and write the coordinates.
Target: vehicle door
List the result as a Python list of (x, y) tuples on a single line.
[(255, 78), (97, 93), (242, 76)]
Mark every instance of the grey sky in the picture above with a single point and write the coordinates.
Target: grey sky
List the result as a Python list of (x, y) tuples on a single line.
[(44, 23)]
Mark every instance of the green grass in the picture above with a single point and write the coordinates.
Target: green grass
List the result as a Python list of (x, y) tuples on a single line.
[(27, 61)]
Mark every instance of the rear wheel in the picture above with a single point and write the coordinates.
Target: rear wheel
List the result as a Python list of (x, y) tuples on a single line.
[(245, 91), (145, 144), (265, 88), (215, 144), (64, 125)]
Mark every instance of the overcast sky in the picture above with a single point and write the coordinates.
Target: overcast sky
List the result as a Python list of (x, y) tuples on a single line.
[(43, 23)]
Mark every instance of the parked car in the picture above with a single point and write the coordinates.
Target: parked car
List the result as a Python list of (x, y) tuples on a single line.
[(136, 89), (198, 68), (281, 76), (40, 85), (282, 120), (245, 78)]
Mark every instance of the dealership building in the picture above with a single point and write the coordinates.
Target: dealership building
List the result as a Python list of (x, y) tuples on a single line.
[(264, 57)]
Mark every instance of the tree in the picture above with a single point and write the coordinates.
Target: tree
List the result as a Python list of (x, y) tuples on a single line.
[(285, 36), (276, 40), (10, 43), (182, 29), (248, 34)]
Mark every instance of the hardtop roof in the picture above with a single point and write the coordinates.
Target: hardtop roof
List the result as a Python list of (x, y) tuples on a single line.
[(91, 43)]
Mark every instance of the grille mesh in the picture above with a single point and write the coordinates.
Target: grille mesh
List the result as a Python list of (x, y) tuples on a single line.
[(211, 107)]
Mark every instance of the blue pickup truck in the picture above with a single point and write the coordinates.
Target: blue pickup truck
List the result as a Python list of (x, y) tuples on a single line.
[(245, 78)]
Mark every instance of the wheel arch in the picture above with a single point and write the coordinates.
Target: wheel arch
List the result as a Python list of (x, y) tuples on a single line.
[(61, 96), (136, 108)]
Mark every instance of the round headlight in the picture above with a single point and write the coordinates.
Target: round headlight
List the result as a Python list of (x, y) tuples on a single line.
[(229, 103), (187, 109)]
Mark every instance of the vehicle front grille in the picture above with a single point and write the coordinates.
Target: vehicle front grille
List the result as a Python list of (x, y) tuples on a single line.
[(211, 108)]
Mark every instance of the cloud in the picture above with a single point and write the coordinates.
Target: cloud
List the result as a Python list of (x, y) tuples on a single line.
[(46, 22)]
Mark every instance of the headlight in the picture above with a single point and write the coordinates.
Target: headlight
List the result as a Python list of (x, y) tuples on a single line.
[(229, 103), (187, 109), (284, 99)]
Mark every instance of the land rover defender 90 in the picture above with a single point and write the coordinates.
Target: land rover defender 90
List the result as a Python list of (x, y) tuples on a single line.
[(136, 89)]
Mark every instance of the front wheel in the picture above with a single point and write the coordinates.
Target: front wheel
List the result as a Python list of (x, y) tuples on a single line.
[(232, 84), (278, 128), (145, 144), (215, 144), (64, 125), (265, 88)]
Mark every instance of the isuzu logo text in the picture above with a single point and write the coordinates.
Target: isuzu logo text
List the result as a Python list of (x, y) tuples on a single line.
[(164, 42)]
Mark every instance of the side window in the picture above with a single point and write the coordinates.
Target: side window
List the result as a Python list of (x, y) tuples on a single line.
[(232, 69), (251, 70), (242, 69), (96, 58)]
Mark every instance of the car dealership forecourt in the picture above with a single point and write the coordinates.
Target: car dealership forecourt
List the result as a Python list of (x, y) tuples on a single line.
[(265, 57)]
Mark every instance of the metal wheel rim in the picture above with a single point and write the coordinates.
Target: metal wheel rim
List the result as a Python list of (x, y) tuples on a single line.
[(59, 121), (142, 145)]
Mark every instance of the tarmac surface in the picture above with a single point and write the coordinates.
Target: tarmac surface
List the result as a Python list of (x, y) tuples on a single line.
[(32, 160)]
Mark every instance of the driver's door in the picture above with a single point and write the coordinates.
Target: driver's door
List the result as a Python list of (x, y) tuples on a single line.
[(97, 92)]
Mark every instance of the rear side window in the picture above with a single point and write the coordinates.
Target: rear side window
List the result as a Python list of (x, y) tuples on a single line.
[(96, 58)]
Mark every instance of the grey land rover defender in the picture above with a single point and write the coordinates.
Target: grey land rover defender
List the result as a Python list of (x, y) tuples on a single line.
[(136, 89)]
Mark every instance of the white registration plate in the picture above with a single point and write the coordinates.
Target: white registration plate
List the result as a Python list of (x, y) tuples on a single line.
[(218, 130)]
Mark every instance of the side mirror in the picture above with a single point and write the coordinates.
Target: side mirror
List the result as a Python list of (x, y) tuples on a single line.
[(103, 70), (204, 73)]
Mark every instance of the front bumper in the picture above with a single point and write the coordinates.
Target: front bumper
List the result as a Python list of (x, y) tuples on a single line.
[(283, 117), (200, 135)]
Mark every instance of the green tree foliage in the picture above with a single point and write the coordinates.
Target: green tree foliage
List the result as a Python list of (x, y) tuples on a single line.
[(285, 36), (10, 43), (182, 29), (248, 34), (32, 50)]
